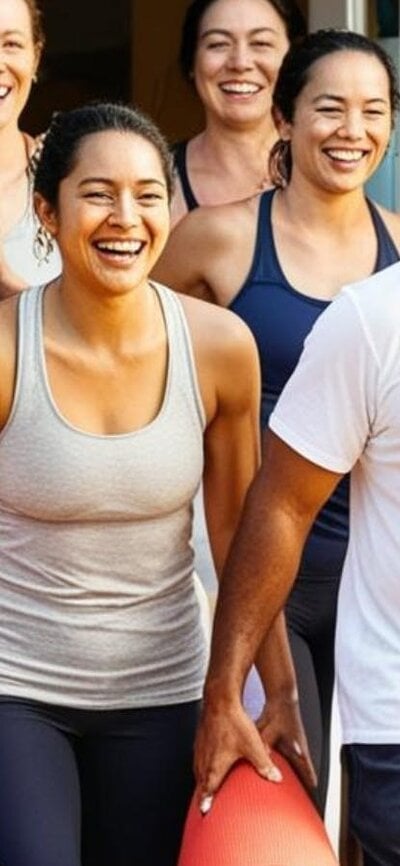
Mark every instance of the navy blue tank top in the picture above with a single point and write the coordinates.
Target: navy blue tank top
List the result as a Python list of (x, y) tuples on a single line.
[(280, 318), (179, 154)]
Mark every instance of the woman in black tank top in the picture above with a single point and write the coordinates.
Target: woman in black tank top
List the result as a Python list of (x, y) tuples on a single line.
[(231, 53), (278, 259)]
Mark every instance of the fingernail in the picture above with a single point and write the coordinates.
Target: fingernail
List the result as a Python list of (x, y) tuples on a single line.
[(297, 748), (274, 775), (206, 804)]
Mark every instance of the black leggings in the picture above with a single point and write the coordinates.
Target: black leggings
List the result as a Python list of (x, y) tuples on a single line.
[(93, 788), (311, 620)]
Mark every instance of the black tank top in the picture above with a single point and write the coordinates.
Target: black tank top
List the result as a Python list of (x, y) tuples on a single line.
[(179, 154), (280, 318)]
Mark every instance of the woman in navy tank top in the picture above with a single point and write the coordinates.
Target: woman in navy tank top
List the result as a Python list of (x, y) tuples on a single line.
[(278, 259), (231, 51)]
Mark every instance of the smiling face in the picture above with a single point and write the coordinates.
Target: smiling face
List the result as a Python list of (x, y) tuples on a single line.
[(241, 45), (112, 215), (18, 59), (342, 122)]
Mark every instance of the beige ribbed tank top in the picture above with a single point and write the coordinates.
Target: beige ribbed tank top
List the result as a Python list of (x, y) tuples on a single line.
[(98, 602)]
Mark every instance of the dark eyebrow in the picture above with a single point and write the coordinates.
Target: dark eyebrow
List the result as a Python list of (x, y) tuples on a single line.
[(341, 99), (221, 32), (108, 182)]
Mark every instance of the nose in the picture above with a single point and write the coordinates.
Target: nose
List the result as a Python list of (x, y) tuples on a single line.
[(125, 212), (239, 57), (353, 126)]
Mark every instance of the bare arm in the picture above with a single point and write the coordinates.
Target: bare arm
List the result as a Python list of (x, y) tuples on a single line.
[(282, 503), (209, 253), (231, 445)]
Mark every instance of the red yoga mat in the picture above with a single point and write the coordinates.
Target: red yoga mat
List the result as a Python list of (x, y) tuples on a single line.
[(253, 822)]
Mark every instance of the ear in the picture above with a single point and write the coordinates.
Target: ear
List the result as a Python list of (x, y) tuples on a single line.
[(283, 127), (46, 214)]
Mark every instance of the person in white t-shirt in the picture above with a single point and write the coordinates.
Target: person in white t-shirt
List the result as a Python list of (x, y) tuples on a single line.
[(340, 411)]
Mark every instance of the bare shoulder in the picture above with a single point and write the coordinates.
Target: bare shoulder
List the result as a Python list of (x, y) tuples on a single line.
[(392, 223), (215, 326), (210, 250), (221, 224), (225, 353)]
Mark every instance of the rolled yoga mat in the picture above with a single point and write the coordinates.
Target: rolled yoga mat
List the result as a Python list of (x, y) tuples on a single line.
[(254, 822)]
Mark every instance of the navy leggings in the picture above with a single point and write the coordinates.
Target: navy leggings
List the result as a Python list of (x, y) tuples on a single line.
[(311, 620), (93, 788)]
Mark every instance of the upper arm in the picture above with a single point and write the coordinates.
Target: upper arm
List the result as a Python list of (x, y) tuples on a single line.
[(328, 408), (294, 485), (231, 445)]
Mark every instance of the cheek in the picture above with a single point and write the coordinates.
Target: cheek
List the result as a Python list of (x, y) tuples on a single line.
[(205, 68)]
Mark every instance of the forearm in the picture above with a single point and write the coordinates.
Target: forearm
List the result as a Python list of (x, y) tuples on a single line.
[(275, 664), (257, 578)]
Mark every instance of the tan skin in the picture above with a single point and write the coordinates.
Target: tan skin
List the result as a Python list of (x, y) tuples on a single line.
[(241, 42), (104, 333), (324, 238), (19, 59), (281, 505), (322, 226)]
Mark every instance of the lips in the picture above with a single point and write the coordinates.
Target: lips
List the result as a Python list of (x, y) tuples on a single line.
[(126, 247), (345, 154), (4, 91), (240, 88)]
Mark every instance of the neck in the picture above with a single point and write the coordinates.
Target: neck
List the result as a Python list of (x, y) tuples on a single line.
[(319, 208), (226, 145), (101, 320), (12, 149)]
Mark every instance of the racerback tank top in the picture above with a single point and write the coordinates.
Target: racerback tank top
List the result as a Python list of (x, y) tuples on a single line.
[(280, 318)]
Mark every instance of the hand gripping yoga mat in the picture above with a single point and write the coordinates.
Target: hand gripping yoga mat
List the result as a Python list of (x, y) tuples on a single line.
[(253, 822)]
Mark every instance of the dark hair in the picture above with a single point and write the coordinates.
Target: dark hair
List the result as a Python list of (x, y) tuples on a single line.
[(36, 22), (68, 129), (294, 74), (287, 10)]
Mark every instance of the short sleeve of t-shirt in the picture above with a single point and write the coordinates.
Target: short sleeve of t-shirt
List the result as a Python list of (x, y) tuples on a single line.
[(326, 411)]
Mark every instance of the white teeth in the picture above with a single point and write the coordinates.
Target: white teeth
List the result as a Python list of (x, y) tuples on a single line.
[(4, 91), (346, 155), (240, 87), (120, 246)]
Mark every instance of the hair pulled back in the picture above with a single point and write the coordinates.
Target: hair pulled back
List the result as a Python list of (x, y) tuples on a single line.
[(295, 73), (68, 129)]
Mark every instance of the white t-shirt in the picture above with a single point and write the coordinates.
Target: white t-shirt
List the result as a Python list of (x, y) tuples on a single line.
[(341, 409)]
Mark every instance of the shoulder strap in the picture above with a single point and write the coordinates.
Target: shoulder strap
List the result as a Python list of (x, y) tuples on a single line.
[(388, 253), (180, 153)]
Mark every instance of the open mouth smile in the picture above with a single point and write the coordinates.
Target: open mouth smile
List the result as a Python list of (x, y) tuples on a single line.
[(346, 155), (120, 251), (240, 88)]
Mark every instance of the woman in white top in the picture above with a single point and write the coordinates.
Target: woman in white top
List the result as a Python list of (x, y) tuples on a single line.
[(21, 44)]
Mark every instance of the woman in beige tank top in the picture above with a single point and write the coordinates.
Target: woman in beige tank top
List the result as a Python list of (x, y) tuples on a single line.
[(117, 389)]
